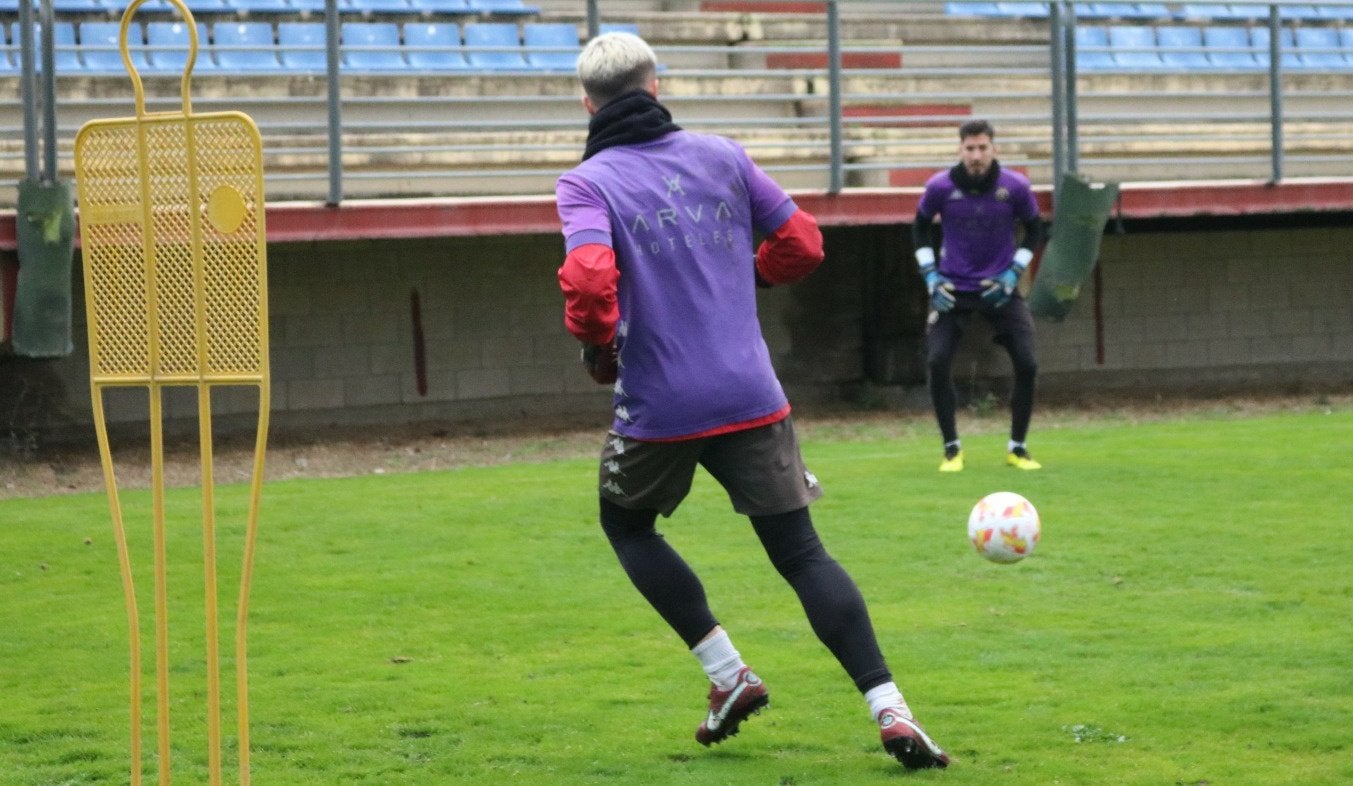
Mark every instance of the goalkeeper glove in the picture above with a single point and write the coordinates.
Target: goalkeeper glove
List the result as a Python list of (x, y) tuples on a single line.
[(998, 291), (940, 289), (602, 362)]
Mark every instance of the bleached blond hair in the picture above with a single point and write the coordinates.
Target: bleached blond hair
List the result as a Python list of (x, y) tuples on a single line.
[(613, 64)]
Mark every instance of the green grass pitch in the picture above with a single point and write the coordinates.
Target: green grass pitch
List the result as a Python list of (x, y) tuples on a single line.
[(1187, 619)]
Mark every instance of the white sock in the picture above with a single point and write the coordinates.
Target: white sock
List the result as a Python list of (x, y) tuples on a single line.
[(954, 444), (886, 696), (1012, 444), (720, 660)]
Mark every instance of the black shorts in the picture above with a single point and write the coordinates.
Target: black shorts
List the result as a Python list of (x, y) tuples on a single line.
[(1012, 325), (761, 469)]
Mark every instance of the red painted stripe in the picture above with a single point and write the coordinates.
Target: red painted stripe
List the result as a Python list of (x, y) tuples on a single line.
[(752, 7), (848, 60), (396, 219)]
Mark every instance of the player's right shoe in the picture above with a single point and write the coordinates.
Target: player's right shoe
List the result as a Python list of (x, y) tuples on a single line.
[(1019, 458), (906, 742), (729, 708), (953, 460)]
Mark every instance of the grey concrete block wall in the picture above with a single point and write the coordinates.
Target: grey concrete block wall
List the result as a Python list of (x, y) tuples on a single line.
[(1198, 308)]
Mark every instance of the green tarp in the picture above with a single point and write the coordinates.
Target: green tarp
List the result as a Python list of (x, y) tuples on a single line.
[(1072, 250), (45, 227)]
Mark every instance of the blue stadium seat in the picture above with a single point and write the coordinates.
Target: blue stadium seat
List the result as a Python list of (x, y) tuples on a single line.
[(551, 46), (498, 45), (1030, 10), (100, 47), (301, 47), (1182, 48), (1244, 11), (440, 7), (1123, 10), (73, 7), (434, 46), (316, 7), (245, 47), (503, 7), (372, 47), (630, 27), (1134, 48), (167, 48), (1299, 11), (370, 7), (1259, 39), (207, 7), (971, 9), (248, 7), (63, 39), (1092, 49), (1229, 48), (1345, 43), (1205, 11), (1318, 48), (1335, 12)]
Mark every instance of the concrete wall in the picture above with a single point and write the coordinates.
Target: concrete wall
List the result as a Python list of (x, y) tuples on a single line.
[(1263, 308)]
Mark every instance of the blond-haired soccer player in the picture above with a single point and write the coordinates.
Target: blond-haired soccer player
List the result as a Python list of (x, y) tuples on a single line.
[(660, 286)]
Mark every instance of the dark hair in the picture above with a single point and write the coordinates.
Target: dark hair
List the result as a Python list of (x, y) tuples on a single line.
[(975, 128)]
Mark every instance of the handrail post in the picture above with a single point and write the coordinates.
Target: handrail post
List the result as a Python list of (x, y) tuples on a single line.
[(332, 33), (1057, 46), (49, 173), (1275, 90), (593, 19), (834, 96), (1073, 158), (27, 82)]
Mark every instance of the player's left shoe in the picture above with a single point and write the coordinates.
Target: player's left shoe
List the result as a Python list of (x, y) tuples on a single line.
[(906, 742), (1019, 458), (729, 708)]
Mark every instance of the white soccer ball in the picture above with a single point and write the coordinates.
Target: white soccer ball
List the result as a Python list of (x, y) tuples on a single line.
[(1004, 527)]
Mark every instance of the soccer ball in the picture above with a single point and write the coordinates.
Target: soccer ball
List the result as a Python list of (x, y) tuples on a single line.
[(1003, 527)]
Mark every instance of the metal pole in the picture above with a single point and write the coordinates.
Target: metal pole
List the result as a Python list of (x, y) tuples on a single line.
[(1073, 157), (331, 38), (28, 86), (593, 19), (1057, 41), (834, 96), (49, 173), (1275, 89)]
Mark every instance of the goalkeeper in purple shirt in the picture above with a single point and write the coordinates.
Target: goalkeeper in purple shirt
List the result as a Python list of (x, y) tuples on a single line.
[(978, 268)]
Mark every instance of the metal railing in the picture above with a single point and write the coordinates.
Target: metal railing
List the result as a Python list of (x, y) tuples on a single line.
[(826, 101)]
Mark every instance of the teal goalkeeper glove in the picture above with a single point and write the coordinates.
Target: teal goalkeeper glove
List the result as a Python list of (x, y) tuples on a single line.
[(940, 289), (998, 291)]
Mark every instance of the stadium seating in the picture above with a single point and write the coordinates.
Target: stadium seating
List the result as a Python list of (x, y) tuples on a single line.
[(63, 37), (1029, 10), (1206, 11), (301, 46), (1229, 48), (543, 43), (494, 46), (208, 7), (434, 46), (1259, 41), (440, 7), (167, 45), (1134, 48), (618, 27), (371, 7), (74, 7), (1181, 48), (248, 7), (1318, 48), (503, 7), (1123, 11), (245, 47), (971, 9), (372, 47), (1092, 49), (100, 47)]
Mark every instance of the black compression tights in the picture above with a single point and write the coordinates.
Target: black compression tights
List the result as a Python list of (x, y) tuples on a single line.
[(832, 602)]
